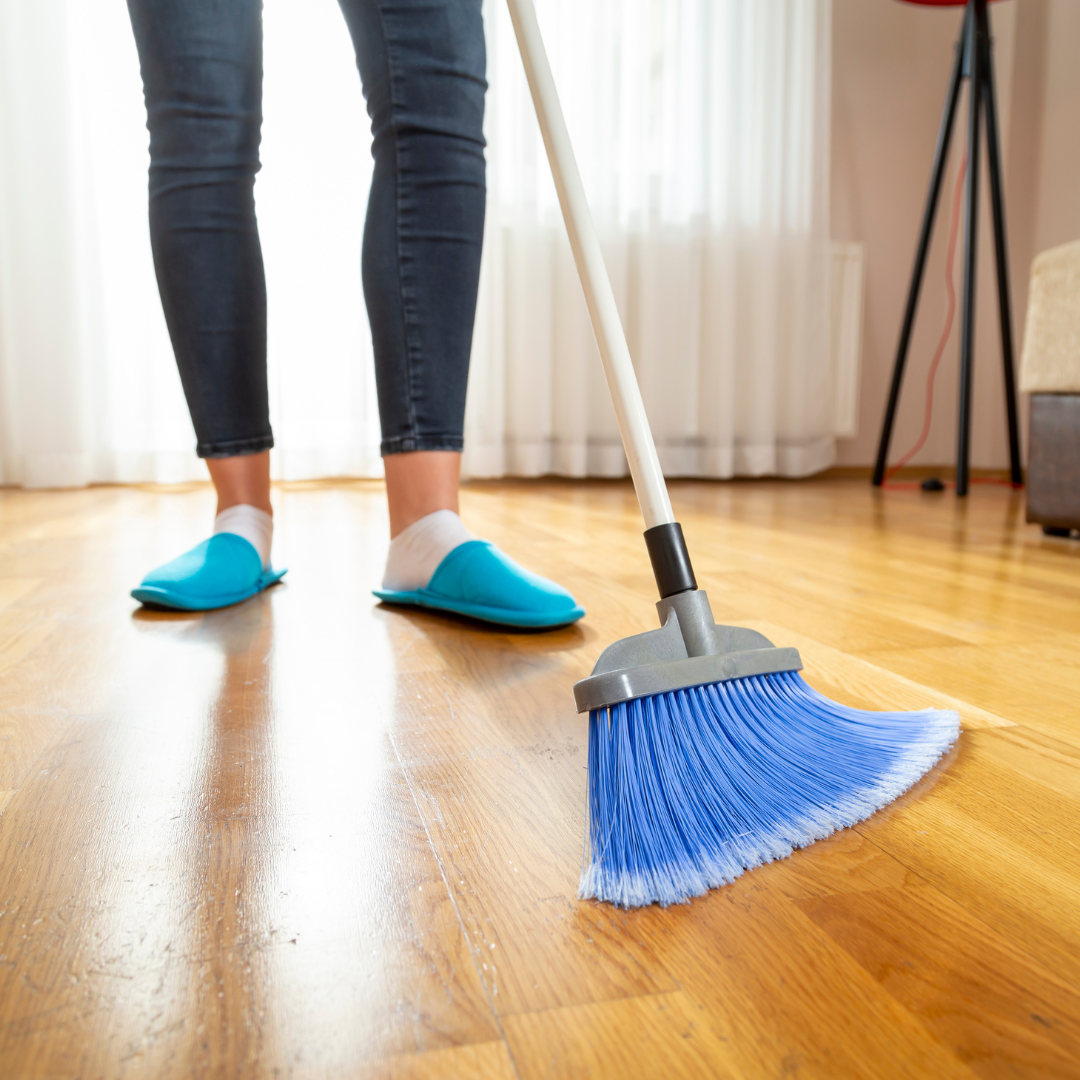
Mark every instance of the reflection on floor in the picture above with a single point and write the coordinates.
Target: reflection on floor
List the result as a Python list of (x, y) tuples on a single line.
[(311, 836)]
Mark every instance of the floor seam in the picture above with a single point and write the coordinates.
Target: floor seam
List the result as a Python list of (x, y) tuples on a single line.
[(453, 901)]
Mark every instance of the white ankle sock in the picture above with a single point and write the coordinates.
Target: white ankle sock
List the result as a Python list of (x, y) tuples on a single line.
[(415, 553), (254, 525)]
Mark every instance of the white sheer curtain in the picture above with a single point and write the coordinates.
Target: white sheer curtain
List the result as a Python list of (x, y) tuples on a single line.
[(88, 387), (701, 126)]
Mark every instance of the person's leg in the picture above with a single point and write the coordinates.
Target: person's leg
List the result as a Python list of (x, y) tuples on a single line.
[(422, 63), (420, 483), (242, 481), (201, 63), (422, 66)]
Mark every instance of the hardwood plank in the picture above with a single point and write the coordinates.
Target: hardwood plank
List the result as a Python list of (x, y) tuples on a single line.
[(481, 1061), (1052, 762), (1034, 684), (283, 839), (866, 685), (503, 798), (977, 993), (20, 636), (13, 589), (897, 563), (787, 1000), (842, 626), (1005, 848), (842, 863), (247, 906), (650, 1036)]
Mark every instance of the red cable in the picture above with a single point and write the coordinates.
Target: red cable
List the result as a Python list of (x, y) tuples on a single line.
[(950, 261)]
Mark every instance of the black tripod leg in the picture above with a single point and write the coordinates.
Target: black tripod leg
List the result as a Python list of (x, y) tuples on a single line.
[(993, 150), (937, 173), (971, 246)]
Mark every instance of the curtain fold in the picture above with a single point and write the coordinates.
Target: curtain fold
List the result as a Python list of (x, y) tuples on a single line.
[(702, 132), (701, 129)]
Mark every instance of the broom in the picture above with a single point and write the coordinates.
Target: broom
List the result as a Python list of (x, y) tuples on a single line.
[(708, 753)]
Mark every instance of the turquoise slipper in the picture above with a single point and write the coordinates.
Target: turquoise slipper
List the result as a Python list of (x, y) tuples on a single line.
[(222, 570), (478, 580)]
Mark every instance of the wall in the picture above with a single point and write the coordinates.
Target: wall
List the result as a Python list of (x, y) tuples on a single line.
[(1058, 180), (891, 65)]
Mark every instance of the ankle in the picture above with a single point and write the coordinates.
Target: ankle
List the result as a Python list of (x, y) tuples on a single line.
[(255, 525), (264, 506), (242, 480), (416, 552), (420, 483)]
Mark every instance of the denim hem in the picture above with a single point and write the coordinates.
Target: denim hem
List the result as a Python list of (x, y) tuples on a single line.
[(406, 444), (235, 449)]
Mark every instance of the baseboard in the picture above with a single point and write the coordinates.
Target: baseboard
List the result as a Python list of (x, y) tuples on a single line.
[(909, 472)]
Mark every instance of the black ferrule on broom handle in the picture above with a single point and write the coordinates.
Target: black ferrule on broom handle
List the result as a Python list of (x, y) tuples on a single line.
[(670, 559)]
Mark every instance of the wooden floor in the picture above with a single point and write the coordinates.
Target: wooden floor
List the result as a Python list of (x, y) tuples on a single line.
[(310, 836)]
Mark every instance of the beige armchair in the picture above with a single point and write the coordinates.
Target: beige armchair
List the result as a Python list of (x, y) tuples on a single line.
[(1050, 373)]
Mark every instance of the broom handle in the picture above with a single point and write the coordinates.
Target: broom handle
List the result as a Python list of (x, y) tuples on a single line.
[(622, 382)]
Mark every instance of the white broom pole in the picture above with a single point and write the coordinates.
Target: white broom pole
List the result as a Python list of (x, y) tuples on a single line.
[(618, 367)]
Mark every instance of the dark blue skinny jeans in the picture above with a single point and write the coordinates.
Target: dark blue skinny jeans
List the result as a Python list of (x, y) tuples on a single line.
[(422, 67)]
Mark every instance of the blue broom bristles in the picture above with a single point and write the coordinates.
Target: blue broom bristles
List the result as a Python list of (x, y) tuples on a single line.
[(689, 789)]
